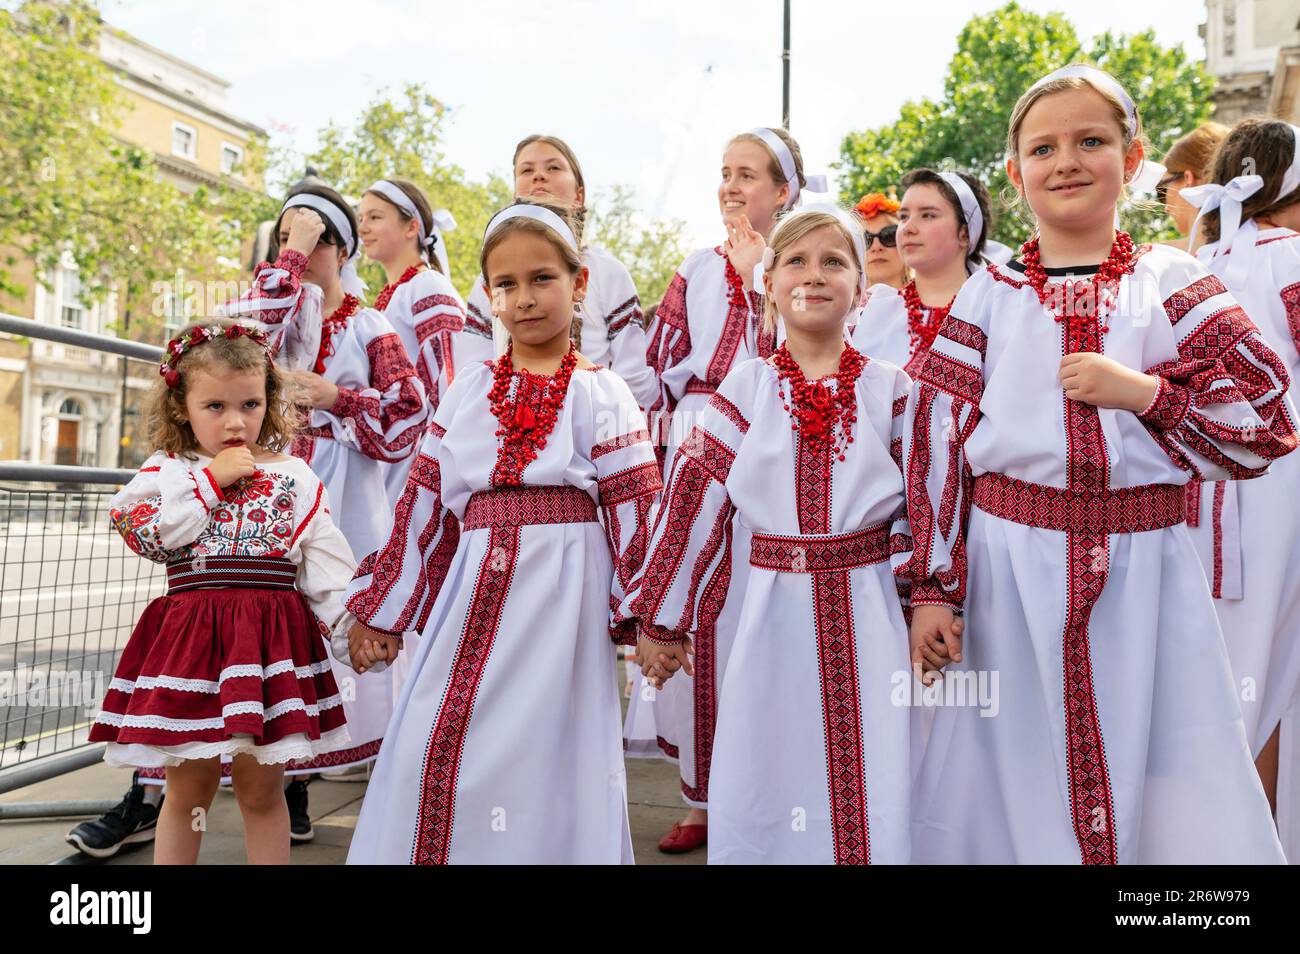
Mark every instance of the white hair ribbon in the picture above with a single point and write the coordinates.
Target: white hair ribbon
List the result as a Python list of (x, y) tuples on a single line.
[(538, 214), (785, 159), (1101, 78), (443, 222), (970, 209), (349, 280)]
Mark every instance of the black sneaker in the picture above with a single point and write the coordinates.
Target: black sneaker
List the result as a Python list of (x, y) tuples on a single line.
[(295, 795), (131, 821)]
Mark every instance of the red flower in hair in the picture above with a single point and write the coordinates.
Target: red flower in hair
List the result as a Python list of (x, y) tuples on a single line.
[(876, 203)]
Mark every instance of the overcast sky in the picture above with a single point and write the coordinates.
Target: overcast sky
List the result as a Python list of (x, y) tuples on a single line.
[(646, 93)]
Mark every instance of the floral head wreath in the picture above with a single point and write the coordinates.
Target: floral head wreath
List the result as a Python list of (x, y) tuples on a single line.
[(876, 203), (178, 346)]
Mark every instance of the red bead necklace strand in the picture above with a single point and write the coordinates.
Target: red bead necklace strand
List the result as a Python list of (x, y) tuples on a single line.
[(813, 407), (386, 295), (331, 326), (523, 432), (921, 333), (1079, 302)]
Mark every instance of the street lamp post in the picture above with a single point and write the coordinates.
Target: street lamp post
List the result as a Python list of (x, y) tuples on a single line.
[(785, 71)]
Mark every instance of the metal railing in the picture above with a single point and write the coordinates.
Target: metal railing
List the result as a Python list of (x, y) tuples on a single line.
[(70, 594)]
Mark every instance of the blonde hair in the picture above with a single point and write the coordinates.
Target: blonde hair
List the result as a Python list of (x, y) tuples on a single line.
[(774, 164), (1060, 85), (164, 410), (793, 226), (1194, 152)]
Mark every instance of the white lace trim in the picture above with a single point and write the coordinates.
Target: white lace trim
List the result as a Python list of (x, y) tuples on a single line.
[(250, 707), (230, 672), (288, 749)]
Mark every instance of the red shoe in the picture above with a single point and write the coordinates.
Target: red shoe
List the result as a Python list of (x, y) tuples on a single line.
[(684, 838)]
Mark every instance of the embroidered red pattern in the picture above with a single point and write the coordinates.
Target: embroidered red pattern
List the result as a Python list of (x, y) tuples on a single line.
[(729, 411), (437, 807), (1122, 510), (1219, 488), (704, 686), (641, 480), (1184, 300), (528, 506), (734, 326), (820, 554), (629, 439)]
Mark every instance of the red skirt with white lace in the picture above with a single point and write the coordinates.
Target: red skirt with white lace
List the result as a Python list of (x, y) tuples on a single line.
[(230, 661)]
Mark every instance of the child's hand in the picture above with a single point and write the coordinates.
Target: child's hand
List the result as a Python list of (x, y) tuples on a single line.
[(232, 464), (305, 230), (1103, 382), (659, 662), (368, 646), (307, 388), (935, 636), (744, 248)]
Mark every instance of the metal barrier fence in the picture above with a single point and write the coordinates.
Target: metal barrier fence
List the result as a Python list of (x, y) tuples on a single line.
[(70, 593)]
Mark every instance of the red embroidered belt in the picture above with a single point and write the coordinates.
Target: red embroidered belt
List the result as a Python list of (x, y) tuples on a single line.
[(1124, 510), (697, 386), (527, 506), (820, 553), (204, 572)]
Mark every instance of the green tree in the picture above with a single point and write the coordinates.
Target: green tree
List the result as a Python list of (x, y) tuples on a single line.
[(999, 55), (71, 186), (402, 136), (650, 250)]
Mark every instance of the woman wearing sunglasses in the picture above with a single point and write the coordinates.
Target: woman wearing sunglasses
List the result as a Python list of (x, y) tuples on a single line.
[(880, 220), (1188, 163), (943, 222)]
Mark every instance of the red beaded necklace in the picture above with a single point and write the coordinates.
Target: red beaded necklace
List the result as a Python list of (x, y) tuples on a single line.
[(386, 295), (523, 433), (921, 333), (816, 408), (735, 286), (1078, 302), (335, 323)]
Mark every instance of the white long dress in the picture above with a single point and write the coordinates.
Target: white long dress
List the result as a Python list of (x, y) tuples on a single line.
[(505, 747), (810, 758), (1118, 736), (613, 332), (1248, 536), (701, 330), (377, 421), (429, 316)]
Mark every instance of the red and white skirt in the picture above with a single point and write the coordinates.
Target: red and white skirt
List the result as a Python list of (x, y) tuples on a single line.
[(230, 661)]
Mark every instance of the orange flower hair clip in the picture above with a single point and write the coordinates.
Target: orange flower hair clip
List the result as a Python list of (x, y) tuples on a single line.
[(876, 203)]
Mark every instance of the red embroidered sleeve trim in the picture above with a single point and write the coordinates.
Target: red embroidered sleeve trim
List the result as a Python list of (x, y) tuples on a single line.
[(320, 491), (658, 634), (1181, 302), (629, 439), (641, 480), (216, 488), (1169, 407), (292, 261), (964, 333), (711, 454), (930, 593), (961, 380), (729, 411), (476, 323)]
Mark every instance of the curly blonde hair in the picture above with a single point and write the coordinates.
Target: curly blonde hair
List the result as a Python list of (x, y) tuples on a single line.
[(165, 415)]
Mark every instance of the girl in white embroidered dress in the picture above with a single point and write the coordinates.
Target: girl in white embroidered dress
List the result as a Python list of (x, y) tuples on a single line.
[(398, 230), (505, 744), (804, 449), (709, 321), (936, 242), (365, 404), (1247, 531), (1050, 434), (609, 327), (231, 662)]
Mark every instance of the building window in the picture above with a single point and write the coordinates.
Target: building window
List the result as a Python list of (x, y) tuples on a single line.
[(231, 157), (183, 140), (72, 313)]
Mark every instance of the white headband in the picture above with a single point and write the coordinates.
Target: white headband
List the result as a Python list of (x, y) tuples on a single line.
[(1229, 199), (1101, 78), (538, 214), (970, 209), (348, 278), (443, 221), (786, 160), (845, 219)]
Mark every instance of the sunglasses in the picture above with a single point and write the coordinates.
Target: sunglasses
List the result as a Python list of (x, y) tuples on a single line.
[(1162, 187), (888, 236)]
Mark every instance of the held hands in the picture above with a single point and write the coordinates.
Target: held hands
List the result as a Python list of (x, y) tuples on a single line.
[(232, 464), (305, 231), (659, 662), (1103, 382), (935, 638), (744, 248), (368, 646), (309, 389)]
